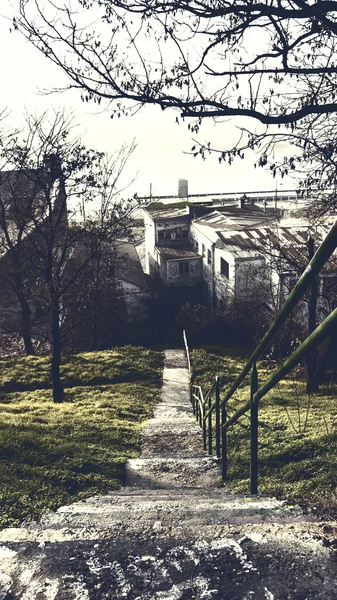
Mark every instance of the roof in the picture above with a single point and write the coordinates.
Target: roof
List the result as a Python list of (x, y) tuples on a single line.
[(290, 241), (230, 217), (128, 266), (183, 252), (167, 213)]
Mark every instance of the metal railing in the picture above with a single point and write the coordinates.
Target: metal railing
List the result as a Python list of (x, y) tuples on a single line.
[(204, 405)]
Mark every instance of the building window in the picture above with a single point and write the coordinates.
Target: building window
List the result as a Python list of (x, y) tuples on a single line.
[(167, 234), (203, 249), (185, 234), (160, 236), (184, 267), (224, 266), (209, 257)]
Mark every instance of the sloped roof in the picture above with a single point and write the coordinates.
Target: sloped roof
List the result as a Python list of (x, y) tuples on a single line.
[(290, 241), (128, 267), (230, 217), (167, 213), (183, 251)]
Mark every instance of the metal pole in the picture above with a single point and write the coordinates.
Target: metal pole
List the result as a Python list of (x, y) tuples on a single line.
[(217, 416), (254, 406), (209, 425), (224, 441), (204, 432)]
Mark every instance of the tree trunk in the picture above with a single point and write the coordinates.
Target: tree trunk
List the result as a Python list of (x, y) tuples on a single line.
[(25, 315), (58, 391), (311, 360), (95, 307)]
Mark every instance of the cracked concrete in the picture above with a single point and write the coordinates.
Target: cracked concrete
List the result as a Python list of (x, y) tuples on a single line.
[(171, 533)]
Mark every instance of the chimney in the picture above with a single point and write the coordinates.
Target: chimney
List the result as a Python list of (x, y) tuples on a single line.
[(242, 201), (182, 188)]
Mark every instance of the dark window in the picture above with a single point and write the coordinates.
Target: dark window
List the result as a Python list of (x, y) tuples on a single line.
[(224, 267), (167, 234), (209, 257), (160, 235), (178, 235), (203, 250), (184, 267), (185, 233)]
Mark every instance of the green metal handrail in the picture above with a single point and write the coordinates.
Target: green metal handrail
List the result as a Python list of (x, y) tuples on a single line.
[(312, 341)]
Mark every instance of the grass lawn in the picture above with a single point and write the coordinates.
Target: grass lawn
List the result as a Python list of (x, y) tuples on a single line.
[(297, 434), (54, 454)]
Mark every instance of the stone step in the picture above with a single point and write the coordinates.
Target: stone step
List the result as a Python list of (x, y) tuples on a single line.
[(168, 511), (263, 562), (135, 511), (182, 444), (172, 472)]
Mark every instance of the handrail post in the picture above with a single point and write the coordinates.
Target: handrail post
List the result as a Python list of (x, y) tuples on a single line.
[(210, 449), (192, 399), (254, 406), (217, 416), (204, 432), (224, 441), (196, 399)]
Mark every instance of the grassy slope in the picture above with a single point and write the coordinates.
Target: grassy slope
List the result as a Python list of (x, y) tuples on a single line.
[(297, 447), (55, 454)]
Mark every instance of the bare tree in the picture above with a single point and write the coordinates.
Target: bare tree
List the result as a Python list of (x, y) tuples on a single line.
[(199, 57), (19, 197), (272, 63), (63, 176)]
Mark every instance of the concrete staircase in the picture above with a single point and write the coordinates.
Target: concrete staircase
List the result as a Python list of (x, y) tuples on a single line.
[(172, 533)]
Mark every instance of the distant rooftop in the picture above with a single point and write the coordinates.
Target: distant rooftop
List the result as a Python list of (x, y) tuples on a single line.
[(290, 240), (168, 212), (177, 252), (129, 267)]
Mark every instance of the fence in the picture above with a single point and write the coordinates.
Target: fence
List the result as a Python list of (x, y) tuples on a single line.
[(205, 404)]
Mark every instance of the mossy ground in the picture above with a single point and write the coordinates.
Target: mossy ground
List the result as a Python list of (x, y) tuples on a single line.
[(297, 433), (53, 454)]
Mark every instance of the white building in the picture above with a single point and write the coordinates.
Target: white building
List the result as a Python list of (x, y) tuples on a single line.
[(235, 252)]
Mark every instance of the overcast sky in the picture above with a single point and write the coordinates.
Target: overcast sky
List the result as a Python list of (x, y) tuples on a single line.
[(161, 157)]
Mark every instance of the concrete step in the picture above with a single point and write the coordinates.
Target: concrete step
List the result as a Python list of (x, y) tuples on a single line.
[(267, 561), (133, 511), (139, 511), (172, 472), (182, 444)]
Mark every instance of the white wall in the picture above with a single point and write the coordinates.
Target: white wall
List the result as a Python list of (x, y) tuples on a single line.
[(175, 278)]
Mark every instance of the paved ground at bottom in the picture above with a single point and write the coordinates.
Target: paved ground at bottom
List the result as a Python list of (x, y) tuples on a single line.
[(171, 533)]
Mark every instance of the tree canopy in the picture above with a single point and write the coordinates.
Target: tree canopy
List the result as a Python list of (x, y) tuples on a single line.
[(273, 61)]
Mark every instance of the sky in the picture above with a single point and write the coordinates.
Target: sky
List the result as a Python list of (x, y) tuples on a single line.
[(163, 146)]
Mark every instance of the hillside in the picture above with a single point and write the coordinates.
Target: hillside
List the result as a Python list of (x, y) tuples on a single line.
[(297, 432), (54, 454)]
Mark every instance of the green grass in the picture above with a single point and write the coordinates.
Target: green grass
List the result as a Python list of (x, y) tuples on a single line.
[(52, 454), (297, 435)]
